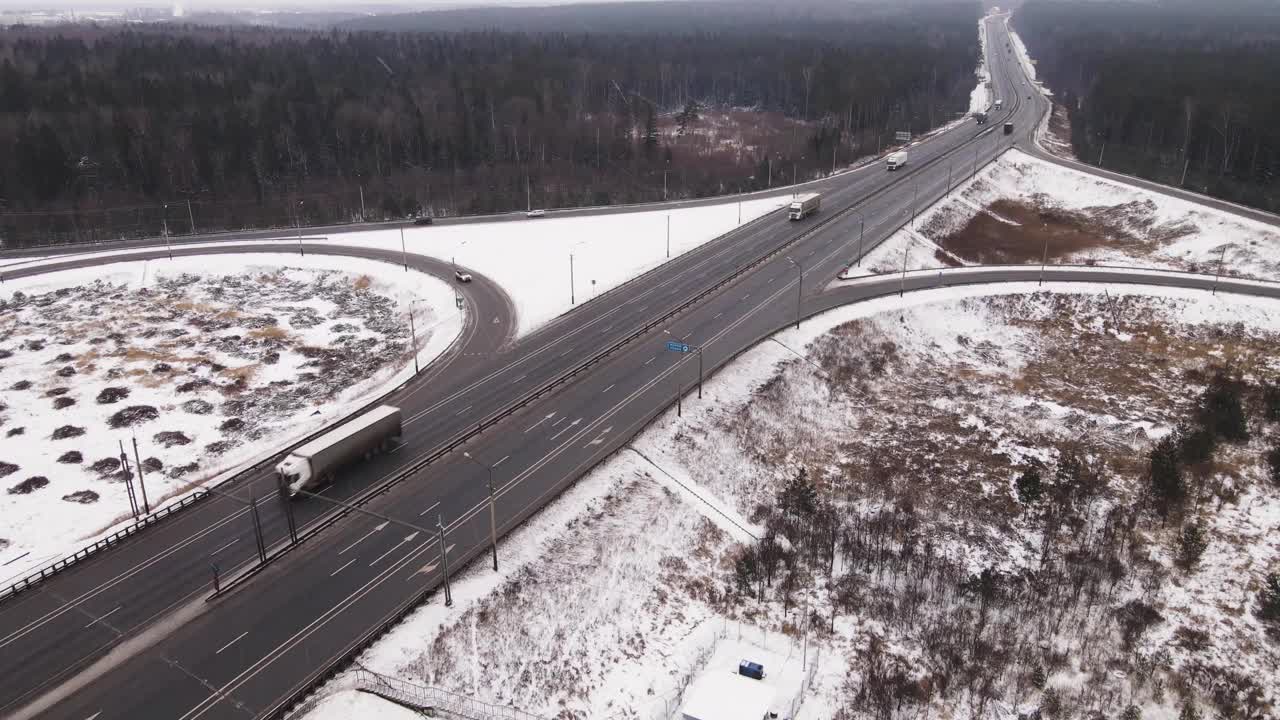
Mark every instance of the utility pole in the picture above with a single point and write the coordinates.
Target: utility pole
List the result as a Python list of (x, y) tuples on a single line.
[(902, 289), (915, 194), (404, 254), (799, 289), (1185, 165), (362, 215), (528, 194), (669, 232), (699, 349), (191, 217), (664, 184), (299, 223), (141, 483), (974, 174), (571, 298), (770, 159), (257, 526), (950, 166), (444, 560), (493, 522), (164, 230), (1102, 152)]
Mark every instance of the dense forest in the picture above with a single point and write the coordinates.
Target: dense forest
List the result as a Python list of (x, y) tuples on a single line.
[(1183, 93), (117, 131)]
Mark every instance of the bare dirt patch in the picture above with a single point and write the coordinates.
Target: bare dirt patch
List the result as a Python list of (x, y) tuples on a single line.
[(1013, 232)]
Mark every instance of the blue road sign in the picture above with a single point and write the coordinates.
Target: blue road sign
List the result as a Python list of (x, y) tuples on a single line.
[(677, 346)]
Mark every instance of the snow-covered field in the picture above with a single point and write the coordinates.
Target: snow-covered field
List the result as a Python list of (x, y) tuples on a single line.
[(922, 414), (530, 258), (209, 362), (1019, 203)]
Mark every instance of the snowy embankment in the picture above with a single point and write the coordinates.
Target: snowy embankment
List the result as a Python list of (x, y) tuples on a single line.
[(620, 592), (211, 363), (534, 259), (1019, 207), (980, 98)]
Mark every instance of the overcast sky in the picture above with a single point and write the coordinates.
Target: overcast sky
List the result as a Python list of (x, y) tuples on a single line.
[(32, 5)]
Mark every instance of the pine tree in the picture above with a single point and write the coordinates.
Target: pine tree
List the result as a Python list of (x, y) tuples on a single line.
[(1051, 703), (1270, 400), (1132, 713), (1029, 486), (1165, 475), (1269, 601), (1273, 462), (1191, 544), (1038, 678), (1222, 411), (650, 132), (1189, 712)]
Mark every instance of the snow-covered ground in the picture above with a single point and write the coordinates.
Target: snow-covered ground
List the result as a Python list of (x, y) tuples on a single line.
[(1016, 204), (980, 98), (210, 362), (530, 258), (620, 593)]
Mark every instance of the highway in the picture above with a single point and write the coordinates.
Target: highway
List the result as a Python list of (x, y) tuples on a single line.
[(129, 634)]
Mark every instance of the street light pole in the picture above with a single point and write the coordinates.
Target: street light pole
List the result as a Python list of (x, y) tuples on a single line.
[(1221, 259), (862, 231), (299, 223), (799, 289), (669, 234), (493, 522), (404, 254), (444, 560), (164, 227), (191, 217), (413, 334), (572, 301)]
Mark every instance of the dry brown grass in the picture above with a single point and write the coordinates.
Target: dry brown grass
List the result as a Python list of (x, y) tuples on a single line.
[(272, 332), (986, 239), (362, 283)]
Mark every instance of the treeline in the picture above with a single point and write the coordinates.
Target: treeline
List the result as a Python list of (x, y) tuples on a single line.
[(260, 127), (1182, 93)]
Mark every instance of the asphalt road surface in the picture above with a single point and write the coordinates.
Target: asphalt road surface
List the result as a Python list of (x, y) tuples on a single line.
[(128, 634)]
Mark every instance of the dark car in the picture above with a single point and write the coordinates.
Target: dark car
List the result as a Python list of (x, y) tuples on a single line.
[(422, 220)]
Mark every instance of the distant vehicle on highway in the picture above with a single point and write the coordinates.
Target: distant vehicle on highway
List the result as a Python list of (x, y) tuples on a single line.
[(999, 104), (896, 160), (536, 213), (981, 117), (423, 220), (462, 277), (804, 205), (314, 463), (1008, 128)]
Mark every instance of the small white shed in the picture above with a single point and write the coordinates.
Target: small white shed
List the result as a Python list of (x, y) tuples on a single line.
[(721, 695)]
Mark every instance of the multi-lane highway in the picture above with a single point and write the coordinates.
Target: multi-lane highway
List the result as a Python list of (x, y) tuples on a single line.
[(129, 633)]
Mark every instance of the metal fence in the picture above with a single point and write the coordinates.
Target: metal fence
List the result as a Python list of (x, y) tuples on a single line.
[(421, 697)]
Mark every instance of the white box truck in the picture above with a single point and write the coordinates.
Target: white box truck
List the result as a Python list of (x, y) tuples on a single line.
[(896, 160), (314, 463), (804, 205)]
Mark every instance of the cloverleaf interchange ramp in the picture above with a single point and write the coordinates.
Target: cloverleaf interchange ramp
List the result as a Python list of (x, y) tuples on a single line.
[(254, 651)]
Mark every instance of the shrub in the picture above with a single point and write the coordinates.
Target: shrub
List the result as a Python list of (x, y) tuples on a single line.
[(67, 431), (63, 402), (1164, 473), (7, 468), (71, 457), (133, 415), (112, 394), (84, 497), (1222, 410), (1029, 486), (1191, 545), (197, 407), (1269, 601), (29, 485), (105, 466), (169, 438)]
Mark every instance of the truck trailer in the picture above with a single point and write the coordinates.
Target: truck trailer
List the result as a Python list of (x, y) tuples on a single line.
[(314, 463), (804, 205), (896, 160)]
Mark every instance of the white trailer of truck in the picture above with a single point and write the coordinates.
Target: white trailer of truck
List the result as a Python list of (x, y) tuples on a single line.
[(804, 205), (314, 463), (896, 160)]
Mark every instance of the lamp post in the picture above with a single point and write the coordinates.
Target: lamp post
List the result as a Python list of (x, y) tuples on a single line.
[(1221, 259), (444, 560), (413, 334), (299, 223), (493, 522), (799, 289), (164, 227), (862, 231)]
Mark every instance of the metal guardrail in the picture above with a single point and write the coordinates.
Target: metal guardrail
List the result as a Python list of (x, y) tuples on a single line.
[(56, 566)]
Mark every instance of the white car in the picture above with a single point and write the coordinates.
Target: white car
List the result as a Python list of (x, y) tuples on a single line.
[(535, 213), (462, 277)]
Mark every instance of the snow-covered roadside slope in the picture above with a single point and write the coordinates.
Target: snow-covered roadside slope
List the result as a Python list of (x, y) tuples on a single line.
[(608, 598), (1016, 204), (211, 363)]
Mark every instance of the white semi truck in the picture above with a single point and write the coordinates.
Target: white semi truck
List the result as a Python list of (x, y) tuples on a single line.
[(896, 160), (314, 463), (804, 205)]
